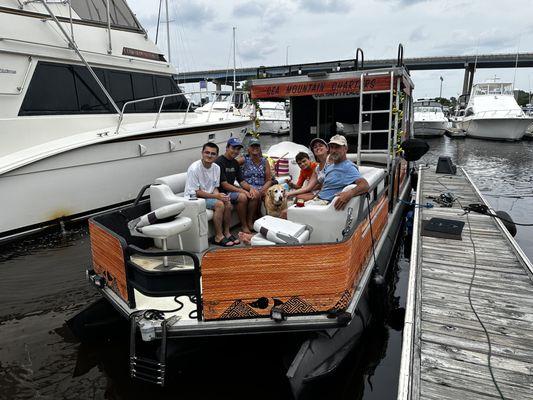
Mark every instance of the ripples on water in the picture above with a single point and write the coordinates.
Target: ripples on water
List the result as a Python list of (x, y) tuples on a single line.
[(42, 283)]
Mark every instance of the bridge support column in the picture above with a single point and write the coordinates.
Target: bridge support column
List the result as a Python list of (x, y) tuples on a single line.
[(468, 80), (218, 86)]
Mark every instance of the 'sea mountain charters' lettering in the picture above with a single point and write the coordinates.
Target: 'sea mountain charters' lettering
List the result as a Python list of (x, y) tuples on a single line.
[(332, 87)]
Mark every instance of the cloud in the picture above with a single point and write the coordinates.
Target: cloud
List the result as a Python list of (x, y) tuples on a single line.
[(192, 13), (326, 6), (184, 13), (256, 48), (419, 34), (272, 15), (249, 8)]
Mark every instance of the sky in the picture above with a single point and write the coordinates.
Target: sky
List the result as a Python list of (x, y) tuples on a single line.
[(324, 30)]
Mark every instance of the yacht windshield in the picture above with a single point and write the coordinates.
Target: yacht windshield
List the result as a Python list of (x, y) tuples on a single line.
[(427, 106), (493, 89), (96, 11), (427, 109)]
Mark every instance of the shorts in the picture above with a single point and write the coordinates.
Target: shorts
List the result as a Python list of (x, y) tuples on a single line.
[(233, 197), (210, 203)]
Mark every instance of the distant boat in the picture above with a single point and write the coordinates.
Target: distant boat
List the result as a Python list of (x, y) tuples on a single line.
[(429, 119), (493, 113), (273, 118)]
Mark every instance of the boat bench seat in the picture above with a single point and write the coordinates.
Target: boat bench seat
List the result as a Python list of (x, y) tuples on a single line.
[(326, 222)]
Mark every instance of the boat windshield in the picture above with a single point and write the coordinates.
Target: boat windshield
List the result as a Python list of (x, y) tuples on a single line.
[(493, 89), (96, 11), (428, 109)]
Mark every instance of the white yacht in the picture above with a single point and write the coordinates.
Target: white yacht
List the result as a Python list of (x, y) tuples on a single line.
[(272, 118), (493, 113), (429, 118), (88, 112), (226, 104)]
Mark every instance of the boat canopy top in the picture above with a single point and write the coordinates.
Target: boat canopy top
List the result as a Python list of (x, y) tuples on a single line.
[(96, 11), (329, 84)]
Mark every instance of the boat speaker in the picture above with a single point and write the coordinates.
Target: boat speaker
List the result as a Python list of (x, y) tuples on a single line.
[(414, 149), (445, 166)]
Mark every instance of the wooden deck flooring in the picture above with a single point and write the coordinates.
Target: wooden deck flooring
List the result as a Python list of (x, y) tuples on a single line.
[(445, 350)]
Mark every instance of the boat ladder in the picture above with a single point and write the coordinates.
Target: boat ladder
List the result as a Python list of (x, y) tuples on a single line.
[(144, 367), (394, 103)]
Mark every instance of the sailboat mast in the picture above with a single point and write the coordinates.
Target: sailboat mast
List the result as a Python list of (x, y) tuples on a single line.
[(168, 30), (234, 65)]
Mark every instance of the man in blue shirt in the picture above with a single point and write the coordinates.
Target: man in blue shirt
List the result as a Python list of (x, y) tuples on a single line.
[(340, 173)]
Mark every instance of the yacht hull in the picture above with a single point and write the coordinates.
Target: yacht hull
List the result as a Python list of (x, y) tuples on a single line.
[(100, 176), (430, 128), (509, 129)]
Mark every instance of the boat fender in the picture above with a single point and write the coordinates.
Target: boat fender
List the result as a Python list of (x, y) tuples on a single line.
[(378, 279), (414, 179), (507, 222)]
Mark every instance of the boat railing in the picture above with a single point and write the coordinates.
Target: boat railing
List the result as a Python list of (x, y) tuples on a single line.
[(163, 98), (506, 113)]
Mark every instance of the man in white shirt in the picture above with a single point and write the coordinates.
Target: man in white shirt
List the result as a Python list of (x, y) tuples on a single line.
[(203, 180)]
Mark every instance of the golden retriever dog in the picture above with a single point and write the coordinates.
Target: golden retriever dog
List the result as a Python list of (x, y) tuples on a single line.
[(275, 200)]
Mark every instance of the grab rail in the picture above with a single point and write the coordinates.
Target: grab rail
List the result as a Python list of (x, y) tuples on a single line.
[(507, 112), (400, 55), (357, 52), (164, 97)]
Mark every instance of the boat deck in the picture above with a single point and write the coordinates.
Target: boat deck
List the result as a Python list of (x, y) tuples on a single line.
[(445, 353)]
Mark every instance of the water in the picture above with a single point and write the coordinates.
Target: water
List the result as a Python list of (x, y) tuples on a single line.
[(42, 283)]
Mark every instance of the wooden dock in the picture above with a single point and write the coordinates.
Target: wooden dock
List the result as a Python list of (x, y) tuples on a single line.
[(445, 353)]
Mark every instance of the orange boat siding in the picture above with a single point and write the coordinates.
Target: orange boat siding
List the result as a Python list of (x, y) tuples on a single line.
[(248, 282), (108, 259)]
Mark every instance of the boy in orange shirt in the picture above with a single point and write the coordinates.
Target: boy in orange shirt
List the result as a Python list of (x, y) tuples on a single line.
[(306, 169)]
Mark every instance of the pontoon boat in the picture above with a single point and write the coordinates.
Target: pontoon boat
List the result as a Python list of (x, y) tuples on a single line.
[(310, 273)]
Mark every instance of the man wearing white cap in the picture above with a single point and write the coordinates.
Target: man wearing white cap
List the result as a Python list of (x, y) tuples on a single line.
[(339, 174)]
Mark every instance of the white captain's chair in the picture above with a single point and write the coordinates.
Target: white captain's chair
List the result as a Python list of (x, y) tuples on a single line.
[(168, 190), (161, 224)]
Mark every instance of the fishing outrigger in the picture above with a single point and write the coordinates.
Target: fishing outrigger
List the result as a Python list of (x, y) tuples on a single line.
[(153, 262)]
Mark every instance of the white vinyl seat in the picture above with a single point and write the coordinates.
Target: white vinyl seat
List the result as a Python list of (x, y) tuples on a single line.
[(161, 224), (327, 222), (169, 190)]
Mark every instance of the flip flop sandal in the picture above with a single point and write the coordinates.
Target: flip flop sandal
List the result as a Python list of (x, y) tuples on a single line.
[(234, 239), (225, 242)]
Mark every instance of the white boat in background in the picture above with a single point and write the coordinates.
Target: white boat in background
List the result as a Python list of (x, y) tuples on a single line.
[(89, 110), (272, 118), (493, 113), (226, 104), (429, 118)]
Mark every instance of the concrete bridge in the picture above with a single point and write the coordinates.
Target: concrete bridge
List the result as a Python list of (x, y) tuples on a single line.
[(468, 62)]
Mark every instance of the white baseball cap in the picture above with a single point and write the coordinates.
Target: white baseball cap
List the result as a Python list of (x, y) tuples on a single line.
[(339, 140)]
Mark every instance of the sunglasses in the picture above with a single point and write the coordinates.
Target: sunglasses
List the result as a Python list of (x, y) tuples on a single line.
[(210, 153)]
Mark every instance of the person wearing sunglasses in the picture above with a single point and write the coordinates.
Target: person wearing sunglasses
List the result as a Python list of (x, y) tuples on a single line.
[(203, 180)]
